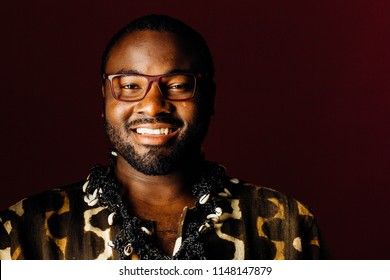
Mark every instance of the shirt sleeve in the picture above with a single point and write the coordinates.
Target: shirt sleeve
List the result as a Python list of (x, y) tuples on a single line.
[(313, 245), (5, 242)]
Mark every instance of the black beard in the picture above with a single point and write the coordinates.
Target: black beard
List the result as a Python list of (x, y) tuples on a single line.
[(156, 162)]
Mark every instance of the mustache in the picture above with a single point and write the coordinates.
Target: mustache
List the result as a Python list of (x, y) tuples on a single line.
[(167, 120)]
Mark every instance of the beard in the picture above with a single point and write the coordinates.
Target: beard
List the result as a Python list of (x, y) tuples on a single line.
[(159, 159)]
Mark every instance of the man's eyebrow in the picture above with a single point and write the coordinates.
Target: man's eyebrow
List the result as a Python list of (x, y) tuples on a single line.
[(133, 71), (128, 71)]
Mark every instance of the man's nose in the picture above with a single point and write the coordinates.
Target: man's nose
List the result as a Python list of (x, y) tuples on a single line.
[(154, 103)]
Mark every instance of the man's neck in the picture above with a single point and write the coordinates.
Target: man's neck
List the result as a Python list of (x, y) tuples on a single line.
[(169, 189)]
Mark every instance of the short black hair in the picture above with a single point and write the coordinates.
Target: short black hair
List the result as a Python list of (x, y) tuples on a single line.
[(165, 23)]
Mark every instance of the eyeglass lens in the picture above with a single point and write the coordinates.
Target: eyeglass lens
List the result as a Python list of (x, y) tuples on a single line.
[(131, 87)]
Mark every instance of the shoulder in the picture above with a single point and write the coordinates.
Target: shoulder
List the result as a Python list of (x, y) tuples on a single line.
[(50, 200), (56, 224), (22, 220), (34, 210), (278, 218), (267, 201)]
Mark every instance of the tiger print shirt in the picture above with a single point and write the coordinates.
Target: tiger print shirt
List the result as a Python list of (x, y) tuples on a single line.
[(257, 223)]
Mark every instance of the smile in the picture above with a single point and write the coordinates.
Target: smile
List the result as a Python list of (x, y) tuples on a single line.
[(154, 131)]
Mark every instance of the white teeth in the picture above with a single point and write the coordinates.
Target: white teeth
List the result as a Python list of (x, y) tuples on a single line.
[(158, 131)]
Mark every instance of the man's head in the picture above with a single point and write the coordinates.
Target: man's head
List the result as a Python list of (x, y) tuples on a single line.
[(157, 125), (163, 23)]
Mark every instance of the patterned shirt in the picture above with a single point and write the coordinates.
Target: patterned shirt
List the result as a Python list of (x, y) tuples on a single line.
[(256, 223)]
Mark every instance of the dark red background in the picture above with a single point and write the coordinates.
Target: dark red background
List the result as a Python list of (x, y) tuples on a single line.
[(302, 104)]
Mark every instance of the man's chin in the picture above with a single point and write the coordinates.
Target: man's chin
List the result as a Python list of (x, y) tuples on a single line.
[(158, 161), (153, 166)]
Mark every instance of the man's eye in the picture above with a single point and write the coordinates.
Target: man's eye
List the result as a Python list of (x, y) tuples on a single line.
[(130, 86), (180, 86)]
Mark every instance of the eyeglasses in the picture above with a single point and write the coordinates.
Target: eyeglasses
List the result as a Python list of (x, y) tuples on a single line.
[(133, 87)]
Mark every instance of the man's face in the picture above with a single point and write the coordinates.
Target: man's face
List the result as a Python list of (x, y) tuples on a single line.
[(155, 135)]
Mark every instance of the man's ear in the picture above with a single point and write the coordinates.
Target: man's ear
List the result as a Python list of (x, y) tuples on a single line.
[(103, 92)]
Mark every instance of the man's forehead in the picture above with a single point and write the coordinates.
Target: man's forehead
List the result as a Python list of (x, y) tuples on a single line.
[(139, 48)]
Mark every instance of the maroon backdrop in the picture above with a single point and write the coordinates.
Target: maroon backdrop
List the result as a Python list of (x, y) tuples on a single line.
[(302, 103)]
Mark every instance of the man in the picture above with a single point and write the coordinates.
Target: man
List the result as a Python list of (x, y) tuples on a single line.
[(159, 199)]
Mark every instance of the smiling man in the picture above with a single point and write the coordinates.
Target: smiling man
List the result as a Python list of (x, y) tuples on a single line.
[(159, 199)]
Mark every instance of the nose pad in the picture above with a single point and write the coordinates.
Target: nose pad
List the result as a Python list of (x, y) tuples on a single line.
[(154, 103)]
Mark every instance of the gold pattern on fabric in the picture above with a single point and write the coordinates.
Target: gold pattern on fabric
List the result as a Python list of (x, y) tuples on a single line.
[(302, 210), (239, 253), (104, 234), (8, 227), (5, 254), (16, 253), (260, 223), (280, 214), (315, 242), (18, 208), (279, 250), (60, 242)]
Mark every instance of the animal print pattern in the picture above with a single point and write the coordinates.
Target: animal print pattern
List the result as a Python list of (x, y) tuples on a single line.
[(257, 223)]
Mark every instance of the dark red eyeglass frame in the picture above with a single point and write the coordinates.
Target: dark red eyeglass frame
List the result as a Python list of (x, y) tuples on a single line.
[(151, 79)]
